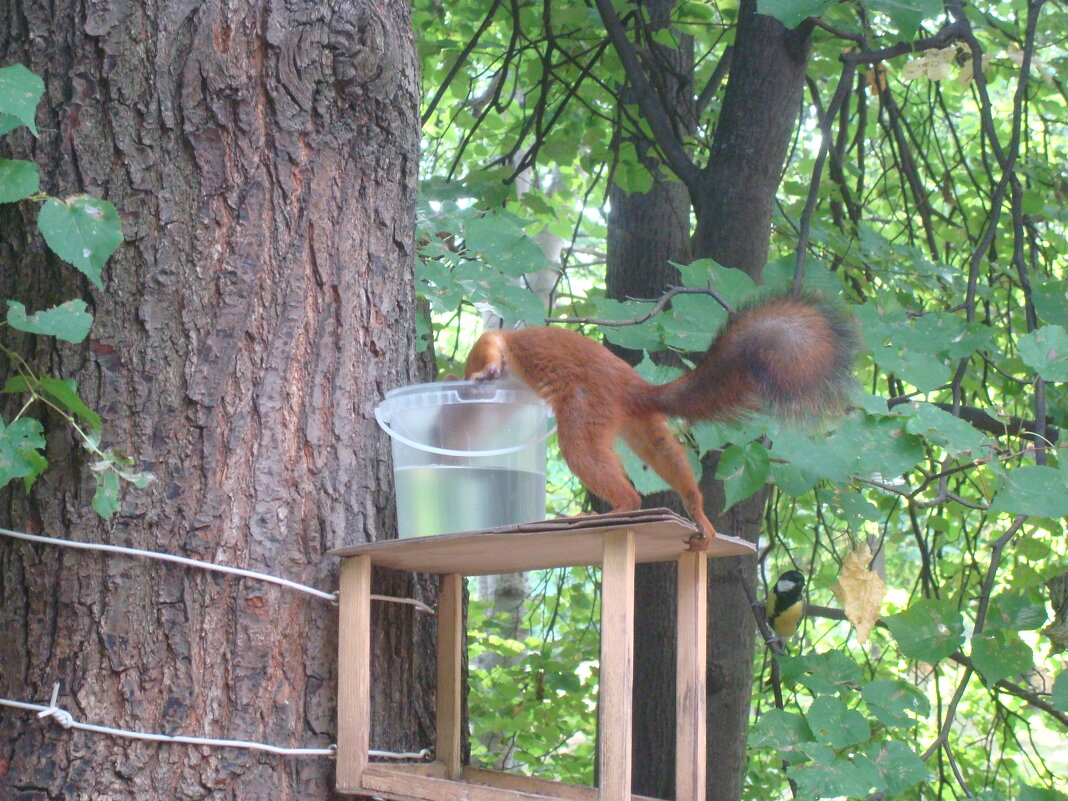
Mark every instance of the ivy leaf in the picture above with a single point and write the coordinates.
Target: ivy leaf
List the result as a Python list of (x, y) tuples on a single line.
[(743, 471), (69, 321), (792, 13), (83, 231), (18, 180), (106, 498), (889, 700), (1034, 490), (999, 655), (20, 92), (21, 444), (1045, 350), (928, 630)]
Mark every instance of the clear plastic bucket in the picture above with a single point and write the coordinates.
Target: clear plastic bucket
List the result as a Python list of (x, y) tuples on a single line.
[(467, 455)]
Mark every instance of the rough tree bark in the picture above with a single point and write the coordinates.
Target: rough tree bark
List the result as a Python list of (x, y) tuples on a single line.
[(263, 158), (733, 198)]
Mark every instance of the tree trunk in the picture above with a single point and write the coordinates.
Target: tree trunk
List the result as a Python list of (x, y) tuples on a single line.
[(263, 158), (733, 201)]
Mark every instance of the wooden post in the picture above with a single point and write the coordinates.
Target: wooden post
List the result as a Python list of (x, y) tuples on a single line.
[(617, 665), (450, 688), (354, 673), (690, 677)]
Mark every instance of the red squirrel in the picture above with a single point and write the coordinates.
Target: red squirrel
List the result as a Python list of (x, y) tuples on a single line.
[(788, 353)]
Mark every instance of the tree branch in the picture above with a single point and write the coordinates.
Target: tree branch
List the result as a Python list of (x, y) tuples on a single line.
[(652, 109), (949, 34)]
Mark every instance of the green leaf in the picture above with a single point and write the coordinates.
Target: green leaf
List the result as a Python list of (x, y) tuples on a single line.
[(1015, 612), (1000, 654), (20, 92), (1051, 301), (824, 673), (958, 437), (64, 393), (69, 321), (906, 14), (786, 732), (83, 231), (743, 471), (928, 630), (832, 722), (1033, 490), (852, 778), (1060, 691), (1029, 793), (18, 180), (890, 701), (1045, 350), (106, 498), (900, 767), (792, 13), (20, 446)]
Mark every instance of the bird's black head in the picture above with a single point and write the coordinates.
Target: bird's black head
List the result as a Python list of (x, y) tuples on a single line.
[(795, 576)]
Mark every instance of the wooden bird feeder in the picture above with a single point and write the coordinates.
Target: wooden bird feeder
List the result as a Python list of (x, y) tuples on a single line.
[(616, 543)]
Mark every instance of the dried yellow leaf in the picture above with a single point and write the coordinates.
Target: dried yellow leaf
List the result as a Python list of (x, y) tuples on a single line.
[(860, 591)]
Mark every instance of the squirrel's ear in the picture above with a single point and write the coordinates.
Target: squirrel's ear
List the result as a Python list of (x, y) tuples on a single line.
[(451, 377)]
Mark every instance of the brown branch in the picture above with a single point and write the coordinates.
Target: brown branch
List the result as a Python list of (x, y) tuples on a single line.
[(718, 74), (949, 34), (658, 307), (845, 85)]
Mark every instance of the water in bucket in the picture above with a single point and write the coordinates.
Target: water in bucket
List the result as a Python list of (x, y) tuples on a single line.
[(467, 455)]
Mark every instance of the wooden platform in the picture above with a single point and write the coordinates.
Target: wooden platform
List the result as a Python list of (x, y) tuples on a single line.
[(661, 535), (616, 543)]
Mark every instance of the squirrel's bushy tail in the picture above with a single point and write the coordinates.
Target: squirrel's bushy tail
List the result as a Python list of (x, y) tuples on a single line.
[(790, 354)]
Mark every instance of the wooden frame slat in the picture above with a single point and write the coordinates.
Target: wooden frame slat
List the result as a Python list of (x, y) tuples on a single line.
[(617, 665), (354, 673), (450, 676), (690, 679)]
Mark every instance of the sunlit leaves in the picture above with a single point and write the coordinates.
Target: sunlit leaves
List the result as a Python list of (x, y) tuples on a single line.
[(928, 630), (895, 703), (999, 655)]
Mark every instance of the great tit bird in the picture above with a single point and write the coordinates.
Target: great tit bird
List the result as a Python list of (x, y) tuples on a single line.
[(786, 603)]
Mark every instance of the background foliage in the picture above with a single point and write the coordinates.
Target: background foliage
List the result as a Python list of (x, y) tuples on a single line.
[(925, 188)]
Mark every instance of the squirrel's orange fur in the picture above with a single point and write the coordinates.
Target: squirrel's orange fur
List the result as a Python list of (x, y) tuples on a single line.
[(789, 353)]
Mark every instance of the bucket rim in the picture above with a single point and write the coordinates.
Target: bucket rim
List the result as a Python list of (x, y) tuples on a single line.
[(511, 390)]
